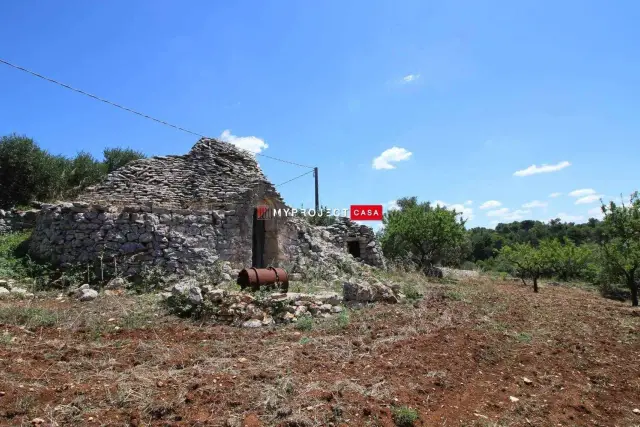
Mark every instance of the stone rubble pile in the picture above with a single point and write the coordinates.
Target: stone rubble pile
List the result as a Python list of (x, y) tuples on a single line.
[(254, 310), (8, 287)]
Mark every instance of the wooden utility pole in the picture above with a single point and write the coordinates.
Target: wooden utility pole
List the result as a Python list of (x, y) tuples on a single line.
[(315, 175)]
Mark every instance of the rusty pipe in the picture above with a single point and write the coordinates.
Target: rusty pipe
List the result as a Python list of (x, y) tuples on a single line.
[(257, 277)]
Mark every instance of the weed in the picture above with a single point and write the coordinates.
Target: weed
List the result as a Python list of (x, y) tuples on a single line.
[(343, 319), (304, 323), (12, 254), (6, 338), (29, 317), (411, 292), (97, 330), (149, 279), (524, 337), (136, 320), (453, 295), (403, 416), (305, 340)]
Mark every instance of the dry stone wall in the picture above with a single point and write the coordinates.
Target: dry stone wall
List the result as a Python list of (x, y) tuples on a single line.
[(14, 220), (345, 231), (127, 239)]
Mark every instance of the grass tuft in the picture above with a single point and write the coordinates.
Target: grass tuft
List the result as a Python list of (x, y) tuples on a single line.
[(403, 416)]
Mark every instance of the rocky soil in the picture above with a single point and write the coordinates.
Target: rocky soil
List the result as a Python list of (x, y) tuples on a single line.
[(474, 353)]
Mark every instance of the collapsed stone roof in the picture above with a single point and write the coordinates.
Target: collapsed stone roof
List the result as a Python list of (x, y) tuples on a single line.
[(211, 176)]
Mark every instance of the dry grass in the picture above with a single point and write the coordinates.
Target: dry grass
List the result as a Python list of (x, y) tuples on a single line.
[(456, 356)]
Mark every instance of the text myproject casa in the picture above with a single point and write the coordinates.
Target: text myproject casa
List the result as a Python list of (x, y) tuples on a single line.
[(368, 212)]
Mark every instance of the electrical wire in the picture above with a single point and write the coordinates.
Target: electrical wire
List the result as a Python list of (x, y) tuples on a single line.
[(146, 116), (293, 179)]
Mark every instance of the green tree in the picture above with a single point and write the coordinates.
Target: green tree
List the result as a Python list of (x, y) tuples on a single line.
[(484, 243), (529, 262), (27, 172), (568, 260), (620, 243), (115, 158), (84, 170), (427, 234)]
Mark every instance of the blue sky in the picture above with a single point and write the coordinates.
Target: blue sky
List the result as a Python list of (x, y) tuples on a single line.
[(463, 94)]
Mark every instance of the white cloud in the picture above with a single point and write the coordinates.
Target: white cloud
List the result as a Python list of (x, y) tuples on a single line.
[(498, 212), (570, 218), (249, 143), (507, 214), (535, 204), (469, 202), (392, 205), (595, 213), (490, 204), (410, 78), (516, 215), (588, 199), (554, 195), (544, 168), (393, 154), (465, 211), (582, 192)]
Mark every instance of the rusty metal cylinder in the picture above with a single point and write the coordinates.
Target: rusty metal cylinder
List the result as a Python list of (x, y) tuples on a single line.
[(268, 277)]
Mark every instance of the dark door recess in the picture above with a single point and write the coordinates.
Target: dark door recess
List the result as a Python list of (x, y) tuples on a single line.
[(354, 248), (258, 241)]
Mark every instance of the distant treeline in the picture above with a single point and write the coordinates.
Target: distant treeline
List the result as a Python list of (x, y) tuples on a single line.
[(27, 172), (486, 242)]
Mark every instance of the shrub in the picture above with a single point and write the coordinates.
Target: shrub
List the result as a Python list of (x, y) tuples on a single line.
[(403, 416)]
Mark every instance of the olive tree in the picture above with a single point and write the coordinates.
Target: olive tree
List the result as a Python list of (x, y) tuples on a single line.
[(115, 158), (27, 172), (620, 243)]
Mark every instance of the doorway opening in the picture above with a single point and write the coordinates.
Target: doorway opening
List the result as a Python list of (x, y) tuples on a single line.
[(258, 237), (354, 248), (265, 250)]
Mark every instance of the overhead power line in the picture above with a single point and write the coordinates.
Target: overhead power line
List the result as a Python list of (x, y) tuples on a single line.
[(146, 116), (293, 179)]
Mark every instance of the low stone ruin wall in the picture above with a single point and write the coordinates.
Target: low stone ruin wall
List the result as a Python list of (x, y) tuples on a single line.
[(14, 220)]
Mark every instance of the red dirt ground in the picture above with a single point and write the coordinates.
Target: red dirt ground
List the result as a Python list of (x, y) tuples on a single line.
[(456, 357)]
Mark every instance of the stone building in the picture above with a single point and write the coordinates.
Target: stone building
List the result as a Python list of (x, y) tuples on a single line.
[(186, 212)]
